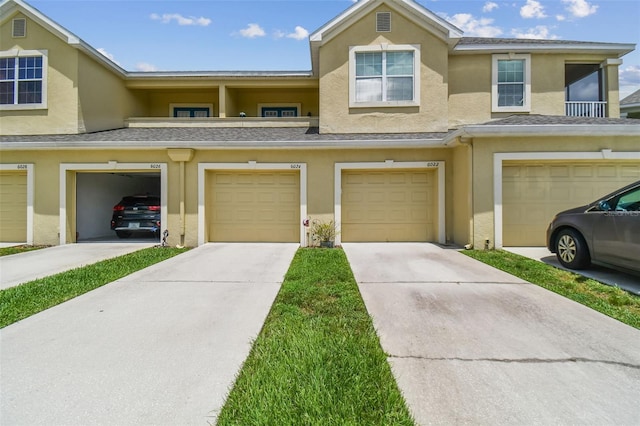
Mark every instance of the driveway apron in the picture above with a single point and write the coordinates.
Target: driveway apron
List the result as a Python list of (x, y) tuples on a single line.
[(20, 268), (469, 344), (161, 346)]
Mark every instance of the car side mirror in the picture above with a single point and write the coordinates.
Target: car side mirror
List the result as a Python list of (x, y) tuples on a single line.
[(604, 206)]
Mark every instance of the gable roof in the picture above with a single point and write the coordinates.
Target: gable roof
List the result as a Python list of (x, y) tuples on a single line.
[(631, 100), (10, 8), (410, 9)]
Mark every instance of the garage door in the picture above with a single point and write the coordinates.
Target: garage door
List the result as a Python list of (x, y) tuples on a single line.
[(13, 207), (534, 192), (398, 205), (253, 206)]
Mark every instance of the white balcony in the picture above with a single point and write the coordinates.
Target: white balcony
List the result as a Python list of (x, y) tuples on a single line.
[(585, 109)]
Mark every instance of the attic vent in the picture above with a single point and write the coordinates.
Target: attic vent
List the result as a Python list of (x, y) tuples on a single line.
[(20, 27), (383, 22)]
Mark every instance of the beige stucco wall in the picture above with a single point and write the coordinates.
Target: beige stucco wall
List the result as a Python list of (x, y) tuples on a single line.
[(320, 184), (61, 114), (247, 99), (335, 114), (159, 101), (483, 173), (102, 106)]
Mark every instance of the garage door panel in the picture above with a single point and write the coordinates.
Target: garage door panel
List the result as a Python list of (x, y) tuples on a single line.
[(253, 206), (388, 205), (534, 193), (13, 207)]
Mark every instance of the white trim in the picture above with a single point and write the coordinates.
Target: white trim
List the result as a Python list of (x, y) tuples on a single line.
[(108, 167), (173, 106), (251, 165), (526, 106), (29, 168), (390, 165), (499, 158), (414, 48), (17, 53)]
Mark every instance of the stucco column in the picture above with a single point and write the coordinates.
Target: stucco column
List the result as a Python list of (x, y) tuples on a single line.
[(222, 101), (610, 67), (181, 156)]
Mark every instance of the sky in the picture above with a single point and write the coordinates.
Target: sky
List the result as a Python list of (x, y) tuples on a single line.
[(268, 35)]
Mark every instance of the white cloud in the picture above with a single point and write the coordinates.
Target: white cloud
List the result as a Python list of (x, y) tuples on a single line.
[(252, 31), (560, 18), (630, 75), (108, 55), (537, 32), (478, 27), (533, 9), (489, 6), (299, 33), (580, 8), (143, 66), (181, 20)]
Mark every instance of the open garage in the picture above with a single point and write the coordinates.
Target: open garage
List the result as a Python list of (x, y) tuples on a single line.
[(98, 193), (533, 192)]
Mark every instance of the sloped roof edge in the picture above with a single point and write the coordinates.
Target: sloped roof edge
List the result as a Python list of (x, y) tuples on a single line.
[(9, 8), (363, 6)]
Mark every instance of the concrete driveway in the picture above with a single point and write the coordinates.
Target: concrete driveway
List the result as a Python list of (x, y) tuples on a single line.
[(161, 346), (469, 344), (20, 268)]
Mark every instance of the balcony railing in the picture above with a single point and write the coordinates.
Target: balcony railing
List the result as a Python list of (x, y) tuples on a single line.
[(585, 109)]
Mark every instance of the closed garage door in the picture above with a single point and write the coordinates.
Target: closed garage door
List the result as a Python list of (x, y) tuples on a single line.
[(398, 205), (534, 192), (253, 206), (13, 207)]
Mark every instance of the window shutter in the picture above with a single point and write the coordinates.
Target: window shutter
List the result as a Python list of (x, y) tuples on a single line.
[(383, 22), (19, 27)]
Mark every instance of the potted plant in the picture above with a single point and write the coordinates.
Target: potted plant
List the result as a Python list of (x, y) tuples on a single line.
[(324, 232)]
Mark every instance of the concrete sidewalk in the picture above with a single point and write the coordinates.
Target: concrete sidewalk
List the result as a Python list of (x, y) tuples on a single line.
[(469, 344), (23, 267), (161, 346)]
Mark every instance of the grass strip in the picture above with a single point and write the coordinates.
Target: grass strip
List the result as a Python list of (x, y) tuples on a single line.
[(22, 301), (6, 251), (609, 300), (317, 360)]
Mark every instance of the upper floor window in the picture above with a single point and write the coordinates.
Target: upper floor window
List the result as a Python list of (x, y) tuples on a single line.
[(511, 83), (384, 76), (23, 80)]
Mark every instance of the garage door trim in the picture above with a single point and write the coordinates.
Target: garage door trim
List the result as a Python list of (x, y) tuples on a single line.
[(251, 165), (106, 167), (390, 165), (22, 167), (499, 158)]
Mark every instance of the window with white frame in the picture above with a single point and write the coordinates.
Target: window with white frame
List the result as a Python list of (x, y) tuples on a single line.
[(23, 79), (511, 83), (384, 76)]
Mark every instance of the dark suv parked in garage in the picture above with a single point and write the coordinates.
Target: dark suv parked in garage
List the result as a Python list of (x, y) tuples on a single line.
[(136, 213), (606, 232)]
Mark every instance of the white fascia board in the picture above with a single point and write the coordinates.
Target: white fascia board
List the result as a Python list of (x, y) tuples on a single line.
[(595, 48), (241, 145), (545, 130)]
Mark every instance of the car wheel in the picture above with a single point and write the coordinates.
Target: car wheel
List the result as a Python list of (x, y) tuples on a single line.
[(572, 250), (123, 234)]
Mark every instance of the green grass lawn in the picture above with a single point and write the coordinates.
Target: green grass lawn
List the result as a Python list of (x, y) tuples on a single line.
[(24, 300), (317, 360), (611, 301), (5, 251)]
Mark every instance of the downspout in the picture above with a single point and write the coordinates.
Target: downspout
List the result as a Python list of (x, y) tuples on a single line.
[(468, 141), (181, 156)]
